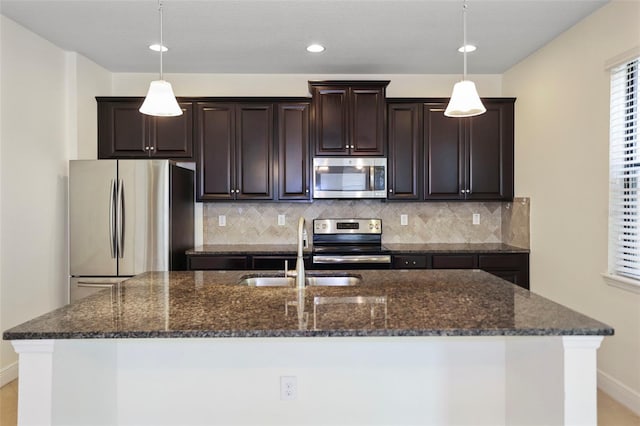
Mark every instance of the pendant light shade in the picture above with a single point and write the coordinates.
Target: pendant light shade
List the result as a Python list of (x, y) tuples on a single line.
[(465, 101), (160, 100)]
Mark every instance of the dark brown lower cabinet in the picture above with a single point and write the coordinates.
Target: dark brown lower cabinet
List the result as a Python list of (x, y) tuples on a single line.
[(271, 262), (197, 263), (276, 262), (454, 261), (513, 267), (410, 261)]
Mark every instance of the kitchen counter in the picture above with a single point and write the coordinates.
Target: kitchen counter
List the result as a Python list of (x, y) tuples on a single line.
[(446, 347), (235, 249), (212, 304), (455, 248), (276, 249)]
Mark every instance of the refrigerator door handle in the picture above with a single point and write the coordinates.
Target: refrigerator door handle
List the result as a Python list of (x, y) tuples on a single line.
[(112, 213), (120, 219), (96, 285)]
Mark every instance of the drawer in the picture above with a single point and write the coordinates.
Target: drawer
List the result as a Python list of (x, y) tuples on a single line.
[(410, 262), (502, 261), (454, 261), (277, 262), (217, 262)]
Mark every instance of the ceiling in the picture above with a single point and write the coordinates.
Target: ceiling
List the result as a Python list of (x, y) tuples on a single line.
[(270, 36)]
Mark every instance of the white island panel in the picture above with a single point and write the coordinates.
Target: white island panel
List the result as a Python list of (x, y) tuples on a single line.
[(346, 381)]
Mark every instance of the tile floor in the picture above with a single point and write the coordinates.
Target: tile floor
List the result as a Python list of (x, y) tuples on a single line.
[(610, 413)]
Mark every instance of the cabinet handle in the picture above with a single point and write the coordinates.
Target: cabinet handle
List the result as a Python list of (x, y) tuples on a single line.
[(146, 148), (306, 191), (390, 190), (151, 148)]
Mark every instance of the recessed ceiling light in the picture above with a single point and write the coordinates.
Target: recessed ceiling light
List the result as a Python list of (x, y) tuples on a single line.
[(315, 48), (467, 48), (157, 47)]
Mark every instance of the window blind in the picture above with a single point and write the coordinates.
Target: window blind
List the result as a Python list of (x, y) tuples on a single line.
[(624, 158)]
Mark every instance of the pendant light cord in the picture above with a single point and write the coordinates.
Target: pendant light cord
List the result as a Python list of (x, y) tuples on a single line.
[(161, 43), (464, 39)]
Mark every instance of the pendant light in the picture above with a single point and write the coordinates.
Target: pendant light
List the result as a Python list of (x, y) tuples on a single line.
[(160, 100), (464, 101)]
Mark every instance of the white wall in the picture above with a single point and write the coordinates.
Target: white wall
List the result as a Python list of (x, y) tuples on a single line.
[(46, 106), (90, 80), (135, 84), (562, 135)]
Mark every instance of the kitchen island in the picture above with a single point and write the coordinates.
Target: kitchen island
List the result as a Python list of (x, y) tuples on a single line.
[(400, 347)]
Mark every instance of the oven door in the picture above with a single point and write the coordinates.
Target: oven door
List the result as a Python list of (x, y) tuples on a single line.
[(351, 261)]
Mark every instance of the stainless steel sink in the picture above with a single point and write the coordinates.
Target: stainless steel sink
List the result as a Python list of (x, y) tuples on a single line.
[(268, 281), (318, 280), (346, 280)]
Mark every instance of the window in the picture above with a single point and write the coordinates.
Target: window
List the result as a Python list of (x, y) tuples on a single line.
[(624, 159)]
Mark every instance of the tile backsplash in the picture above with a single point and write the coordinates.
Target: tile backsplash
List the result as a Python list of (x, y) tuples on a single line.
[(257, 223)]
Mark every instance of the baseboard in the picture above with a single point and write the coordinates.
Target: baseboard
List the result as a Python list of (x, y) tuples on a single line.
[(8, 374), (619, 391)]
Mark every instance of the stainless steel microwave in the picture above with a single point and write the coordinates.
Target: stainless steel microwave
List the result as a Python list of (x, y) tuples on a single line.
[(349, 177)]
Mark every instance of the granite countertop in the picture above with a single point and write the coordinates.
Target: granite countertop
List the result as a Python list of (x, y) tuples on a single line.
[(455, 248), (239, 249), (387, 303)]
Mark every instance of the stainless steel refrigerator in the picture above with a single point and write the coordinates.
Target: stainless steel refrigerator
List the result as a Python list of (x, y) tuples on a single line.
[(127, 217)]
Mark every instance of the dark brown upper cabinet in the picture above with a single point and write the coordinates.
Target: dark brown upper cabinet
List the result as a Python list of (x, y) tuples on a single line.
[(469, 158), (405, 151), (234, 151), (348, 117), (124, 132), (434, 157), (294, 172)]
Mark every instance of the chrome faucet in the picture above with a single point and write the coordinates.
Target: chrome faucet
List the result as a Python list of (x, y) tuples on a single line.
[(299, 259)]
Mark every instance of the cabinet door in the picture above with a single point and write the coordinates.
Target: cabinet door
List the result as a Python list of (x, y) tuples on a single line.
[(330, 106), (293, 151), (172, 137), (254, 154), (444, 167), (405, 153), (122, 130), (454, 261), (215, 142), (512, 267), (490, 150), (366, 107), (410, 261), (217, 263)]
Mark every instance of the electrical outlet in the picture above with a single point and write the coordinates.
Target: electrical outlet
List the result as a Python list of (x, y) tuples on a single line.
[(288, 388), (222, 220), (404, 220), (281, 219), (476, 218)]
